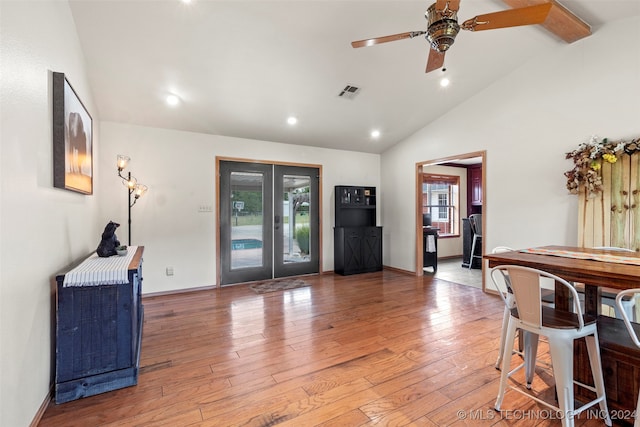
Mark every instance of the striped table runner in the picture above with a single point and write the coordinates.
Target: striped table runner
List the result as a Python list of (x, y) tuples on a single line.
[(96, 271), (605, 257)]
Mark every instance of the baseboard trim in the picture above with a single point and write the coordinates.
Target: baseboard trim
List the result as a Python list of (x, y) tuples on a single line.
[(43, 407), (400, 270), (179, 291), (215, 287)]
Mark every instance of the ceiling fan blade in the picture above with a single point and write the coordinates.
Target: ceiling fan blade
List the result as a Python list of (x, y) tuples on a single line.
[(435, 61), (453, 5), (385, 39), (441, 4), (509, 18)]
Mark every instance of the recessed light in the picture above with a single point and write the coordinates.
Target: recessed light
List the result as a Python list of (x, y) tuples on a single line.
[(444, 82), (172, 100), (375, 133), (186, 1), (292, 120)]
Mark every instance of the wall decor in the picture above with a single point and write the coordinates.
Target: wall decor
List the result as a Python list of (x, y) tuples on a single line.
[(72, 139), (606, 178)]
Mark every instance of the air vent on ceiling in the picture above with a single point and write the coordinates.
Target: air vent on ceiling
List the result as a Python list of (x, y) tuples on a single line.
[(349, 92)]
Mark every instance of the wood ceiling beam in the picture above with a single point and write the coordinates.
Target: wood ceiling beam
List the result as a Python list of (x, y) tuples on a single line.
[(561, 22)]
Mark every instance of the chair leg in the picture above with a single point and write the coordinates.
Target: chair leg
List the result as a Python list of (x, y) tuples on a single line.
[(473, 251), (503, 332), (530, 355), (506, 362), (561, 350), (593, 348)]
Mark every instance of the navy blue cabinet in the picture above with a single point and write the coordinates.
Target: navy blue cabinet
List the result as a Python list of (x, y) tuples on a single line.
[(98, 335)]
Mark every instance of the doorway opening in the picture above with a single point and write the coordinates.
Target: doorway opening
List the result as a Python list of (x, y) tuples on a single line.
[(437, 197)]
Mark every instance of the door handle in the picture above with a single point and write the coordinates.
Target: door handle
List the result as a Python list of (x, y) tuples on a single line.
[(276, 221)]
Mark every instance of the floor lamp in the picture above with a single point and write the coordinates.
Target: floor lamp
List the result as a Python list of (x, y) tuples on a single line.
[(133, 188)]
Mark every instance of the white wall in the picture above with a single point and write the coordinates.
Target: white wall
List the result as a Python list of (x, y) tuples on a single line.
[(179, 168), (43, 229), (526, 122)]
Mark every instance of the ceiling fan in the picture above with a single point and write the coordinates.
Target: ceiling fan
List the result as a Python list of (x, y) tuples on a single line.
[(442, 18)]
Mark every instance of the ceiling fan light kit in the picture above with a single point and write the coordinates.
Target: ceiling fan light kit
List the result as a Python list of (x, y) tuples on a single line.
[(443, 27)]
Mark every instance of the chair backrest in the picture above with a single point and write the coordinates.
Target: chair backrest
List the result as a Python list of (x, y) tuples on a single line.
[(501, 249), (527, 291), (623, 313), (509, 298), (475, 220)]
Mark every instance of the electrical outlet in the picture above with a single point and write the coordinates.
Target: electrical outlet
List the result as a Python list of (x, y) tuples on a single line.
[(169, 271)]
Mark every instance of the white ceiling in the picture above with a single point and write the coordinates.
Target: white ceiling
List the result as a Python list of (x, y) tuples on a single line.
[(242, 67)]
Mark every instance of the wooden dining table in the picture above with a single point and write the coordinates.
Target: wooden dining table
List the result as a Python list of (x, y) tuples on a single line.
[(596, 269)]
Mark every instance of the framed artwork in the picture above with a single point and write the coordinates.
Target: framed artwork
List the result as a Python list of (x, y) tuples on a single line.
[(72, 139)]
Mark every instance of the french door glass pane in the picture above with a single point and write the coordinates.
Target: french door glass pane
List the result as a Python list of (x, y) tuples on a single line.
[(247, 209), (295, 219)]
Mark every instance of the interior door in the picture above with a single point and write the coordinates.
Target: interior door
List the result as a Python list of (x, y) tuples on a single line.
[(269, 221)]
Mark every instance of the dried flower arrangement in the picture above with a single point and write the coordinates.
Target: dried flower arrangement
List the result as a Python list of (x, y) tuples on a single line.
[(588, 158)]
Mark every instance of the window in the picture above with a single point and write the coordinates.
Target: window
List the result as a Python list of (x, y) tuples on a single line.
[(443, 204), (440, 199)]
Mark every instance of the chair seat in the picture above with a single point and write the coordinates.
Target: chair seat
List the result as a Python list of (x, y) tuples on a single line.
[(558, 319)]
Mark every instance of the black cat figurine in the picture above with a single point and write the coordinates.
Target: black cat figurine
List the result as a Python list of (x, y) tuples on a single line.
[(109, 242)]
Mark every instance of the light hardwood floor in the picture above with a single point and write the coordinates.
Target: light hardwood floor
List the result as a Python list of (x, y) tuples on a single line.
[(375, 349)]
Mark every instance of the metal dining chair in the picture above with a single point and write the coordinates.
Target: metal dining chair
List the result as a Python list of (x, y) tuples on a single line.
[(475, 222), (561, 329), (634, 336), (525, 341)]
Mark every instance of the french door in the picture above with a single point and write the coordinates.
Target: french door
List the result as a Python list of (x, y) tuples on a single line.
[(269, 221)]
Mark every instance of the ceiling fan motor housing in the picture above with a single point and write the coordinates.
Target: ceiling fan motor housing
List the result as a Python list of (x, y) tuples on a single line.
[(443, 28)]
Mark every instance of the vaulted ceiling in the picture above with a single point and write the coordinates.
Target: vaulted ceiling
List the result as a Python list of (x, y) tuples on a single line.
[(241, 68)]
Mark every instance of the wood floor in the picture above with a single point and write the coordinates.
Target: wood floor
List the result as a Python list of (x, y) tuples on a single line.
[(375, 349)]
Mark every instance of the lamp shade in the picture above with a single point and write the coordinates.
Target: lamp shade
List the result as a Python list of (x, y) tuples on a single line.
[(122, 162), (139, 190), (130, 182)]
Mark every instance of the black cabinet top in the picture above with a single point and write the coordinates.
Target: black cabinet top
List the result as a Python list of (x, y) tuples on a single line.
[(355, 206)]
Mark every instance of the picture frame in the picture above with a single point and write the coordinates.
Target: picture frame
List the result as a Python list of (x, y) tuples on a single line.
[(72, 139)]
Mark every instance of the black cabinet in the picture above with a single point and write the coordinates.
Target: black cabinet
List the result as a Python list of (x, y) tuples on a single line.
[(357, 249), (98, 331), (430, 248), (357, 240), (467, 242), (355, 206)]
